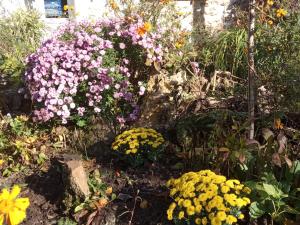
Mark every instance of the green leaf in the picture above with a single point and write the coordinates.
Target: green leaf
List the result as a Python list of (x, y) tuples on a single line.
[(267, 134), (256, 210), (273, 191), (81, 123), (295, 169), (291, 210), (79, 207), (113, 196)]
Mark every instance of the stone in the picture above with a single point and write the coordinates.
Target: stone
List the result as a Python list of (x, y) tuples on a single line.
[(74, 175)]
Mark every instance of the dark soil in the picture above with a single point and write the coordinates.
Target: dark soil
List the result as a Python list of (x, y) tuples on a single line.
[(44, 187), (142, 195)]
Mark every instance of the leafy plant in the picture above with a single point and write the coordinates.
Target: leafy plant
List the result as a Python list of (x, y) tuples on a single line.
[(101, 76), (20, 35), (277, 198), (139, 145), (66, 221), (101, 195), (206, 198)]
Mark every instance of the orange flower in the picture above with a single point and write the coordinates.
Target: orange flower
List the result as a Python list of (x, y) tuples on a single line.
[(113, 5), (270, 22), (277, 124), (164, 1), (144, 29)]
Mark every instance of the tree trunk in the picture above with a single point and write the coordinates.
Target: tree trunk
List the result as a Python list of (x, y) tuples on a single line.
[(251, 68)]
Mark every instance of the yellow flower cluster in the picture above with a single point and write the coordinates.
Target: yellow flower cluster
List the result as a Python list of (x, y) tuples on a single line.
[(12, 209), (134, 140), (68, 7), (207, 198)]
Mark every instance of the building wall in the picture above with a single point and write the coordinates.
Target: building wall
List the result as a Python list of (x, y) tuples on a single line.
[(208, 13)]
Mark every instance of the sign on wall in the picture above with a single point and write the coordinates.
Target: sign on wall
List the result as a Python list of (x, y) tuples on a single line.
[(53, 8)]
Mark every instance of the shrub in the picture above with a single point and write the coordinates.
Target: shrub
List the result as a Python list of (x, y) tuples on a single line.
[(276, 55), (278, 198), (12, 209), (139, 144), (93, 68), (20, 35), (206, 198), (23, 144), (166, 18)]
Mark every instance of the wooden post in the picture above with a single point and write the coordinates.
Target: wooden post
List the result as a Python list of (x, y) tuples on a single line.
[(251, 68)]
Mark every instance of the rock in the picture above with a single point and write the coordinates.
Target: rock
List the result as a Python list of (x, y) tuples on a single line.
[(11, 101), (158, 104), (74, 175)]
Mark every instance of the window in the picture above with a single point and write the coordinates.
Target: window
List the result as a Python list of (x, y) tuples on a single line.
[(54, 8)]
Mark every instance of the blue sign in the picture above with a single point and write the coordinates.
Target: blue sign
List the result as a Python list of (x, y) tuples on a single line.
[(53, 8)]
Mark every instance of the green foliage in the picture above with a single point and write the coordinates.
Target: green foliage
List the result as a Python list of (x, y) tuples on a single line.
[(277, 56), (100, 196), (20, 35), (139, 145), (278, 198), (211, 139), (23, 145), (278, 60), (66, 221), (226, 51)]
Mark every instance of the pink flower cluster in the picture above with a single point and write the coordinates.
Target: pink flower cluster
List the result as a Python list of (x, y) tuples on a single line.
[(87, 68)]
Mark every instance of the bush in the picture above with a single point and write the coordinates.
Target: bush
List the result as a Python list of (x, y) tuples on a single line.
[(20, 35), (93, 68), (166, 19), (139, 145), (206, 198), (276, 55)]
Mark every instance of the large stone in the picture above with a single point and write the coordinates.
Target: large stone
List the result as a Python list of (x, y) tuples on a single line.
[(75, 176)]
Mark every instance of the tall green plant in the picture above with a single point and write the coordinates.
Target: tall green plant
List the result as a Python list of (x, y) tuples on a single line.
[(20, 35)]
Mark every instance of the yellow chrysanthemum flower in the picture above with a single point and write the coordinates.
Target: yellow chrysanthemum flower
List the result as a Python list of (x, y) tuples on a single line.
[(12, 209), (281, 12), (206, 193), (66, 7), (270, 2)]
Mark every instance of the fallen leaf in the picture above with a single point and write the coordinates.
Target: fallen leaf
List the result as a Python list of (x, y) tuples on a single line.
[(282, 141), (109, 190), (288, 161), (102, 203), (224, 149), (144, 204), (276, 159), (242, 157)]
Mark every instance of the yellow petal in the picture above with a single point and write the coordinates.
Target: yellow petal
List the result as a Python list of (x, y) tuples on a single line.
[(22, 203), (16, 217), (1, 219), (4, 194), (15, 192)]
